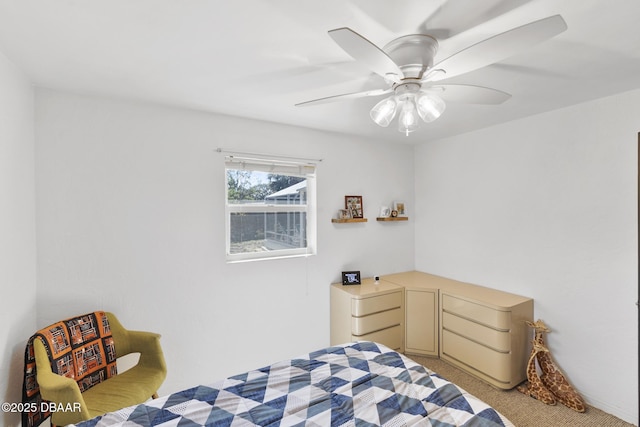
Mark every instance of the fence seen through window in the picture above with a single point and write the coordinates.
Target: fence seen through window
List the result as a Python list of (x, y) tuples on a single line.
[(267, 211)]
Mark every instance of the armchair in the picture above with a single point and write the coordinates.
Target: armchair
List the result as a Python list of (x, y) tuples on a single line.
[(92, 386)]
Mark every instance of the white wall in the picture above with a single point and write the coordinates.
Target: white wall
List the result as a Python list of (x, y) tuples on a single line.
[(17, 231), (547, 207), (131, 219)]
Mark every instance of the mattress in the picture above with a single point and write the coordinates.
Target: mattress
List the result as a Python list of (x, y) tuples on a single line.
[(354, 384)]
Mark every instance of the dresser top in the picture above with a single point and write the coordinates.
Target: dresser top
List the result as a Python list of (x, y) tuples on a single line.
[(417, 279), (369, 288)]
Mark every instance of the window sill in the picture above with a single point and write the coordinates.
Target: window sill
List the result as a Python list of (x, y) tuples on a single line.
[(252, 259)]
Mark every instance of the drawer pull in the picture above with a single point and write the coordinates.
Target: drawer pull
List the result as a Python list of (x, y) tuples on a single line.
[(484, 359), (482, 343), (474, 320), (376, 322), (479, 313), (376, 304)]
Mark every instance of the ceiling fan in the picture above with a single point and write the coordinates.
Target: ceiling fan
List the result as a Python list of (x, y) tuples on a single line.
[(407, 65)]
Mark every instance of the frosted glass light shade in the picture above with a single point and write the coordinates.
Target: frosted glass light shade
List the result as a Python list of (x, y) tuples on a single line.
[(408, 117), (430, 106), (384, 111)]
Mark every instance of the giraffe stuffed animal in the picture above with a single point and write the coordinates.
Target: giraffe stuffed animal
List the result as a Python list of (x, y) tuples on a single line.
[(534, 387), (552, 377)]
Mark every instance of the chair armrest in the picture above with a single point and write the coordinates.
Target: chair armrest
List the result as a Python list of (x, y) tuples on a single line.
[(148, 345), (145, 343), (57, 388)]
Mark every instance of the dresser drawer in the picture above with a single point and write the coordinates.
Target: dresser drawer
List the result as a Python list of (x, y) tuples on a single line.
[(375, 322), (479, 313), (365, 306), (490, 362), (391, 337), (498, 340)]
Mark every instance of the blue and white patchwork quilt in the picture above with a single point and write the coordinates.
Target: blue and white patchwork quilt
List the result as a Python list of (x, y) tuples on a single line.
[(356, 384)]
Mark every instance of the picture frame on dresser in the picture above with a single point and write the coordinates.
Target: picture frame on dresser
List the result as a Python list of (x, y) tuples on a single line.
[(351, 278)]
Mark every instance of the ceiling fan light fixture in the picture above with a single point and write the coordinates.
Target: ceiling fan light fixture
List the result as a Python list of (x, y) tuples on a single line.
[(384, 111), (408, 117), (430, 106)]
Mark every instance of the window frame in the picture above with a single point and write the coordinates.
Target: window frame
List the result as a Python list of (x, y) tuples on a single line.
[(304, 169)]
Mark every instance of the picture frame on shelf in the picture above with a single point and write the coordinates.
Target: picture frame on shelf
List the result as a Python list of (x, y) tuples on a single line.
[(344, 214), (399, 207), (351, 278), (354, 205)]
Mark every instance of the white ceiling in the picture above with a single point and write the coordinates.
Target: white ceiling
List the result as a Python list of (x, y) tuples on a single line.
[(257, 58)]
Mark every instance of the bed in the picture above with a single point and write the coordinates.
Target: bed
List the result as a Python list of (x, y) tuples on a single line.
[(354, 384)]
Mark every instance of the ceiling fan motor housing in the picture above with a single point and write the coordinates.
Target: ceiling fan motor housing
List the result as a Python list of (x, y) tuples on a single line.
[(413, 53), (407, 89)]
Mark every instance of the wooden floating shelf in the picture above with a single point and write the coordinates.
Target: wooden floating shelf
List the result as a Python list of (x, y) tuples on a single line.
[(389, 218), (342, 221)]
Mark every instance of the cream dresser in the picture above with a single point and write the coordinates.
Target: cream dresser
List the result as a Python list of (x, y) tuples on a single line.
[(421, 312), (477, 329), (368, 312)]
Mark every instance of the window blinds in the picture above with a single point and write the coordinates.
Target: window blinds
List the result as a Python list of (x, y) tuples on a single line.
[(273, 166)]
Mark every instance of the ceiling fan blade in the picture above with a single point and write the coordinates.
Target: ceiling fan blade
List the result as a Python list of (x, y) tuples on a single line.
[(499, 47), (393, 15), (366, 52), (470, 94), (375, 92), (447, 21)]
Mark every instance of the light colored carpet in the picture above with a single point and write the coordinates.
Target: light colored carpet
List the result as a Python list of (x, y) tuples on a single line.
[(523, 411)]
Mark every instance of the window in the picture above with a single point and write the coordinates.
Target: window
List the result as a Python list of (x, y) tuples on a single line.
[(270, 208)]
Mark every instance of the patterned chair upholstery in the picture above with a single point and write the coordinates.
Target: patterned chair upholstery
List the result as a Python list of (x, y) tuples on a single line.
[(72, 366)]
